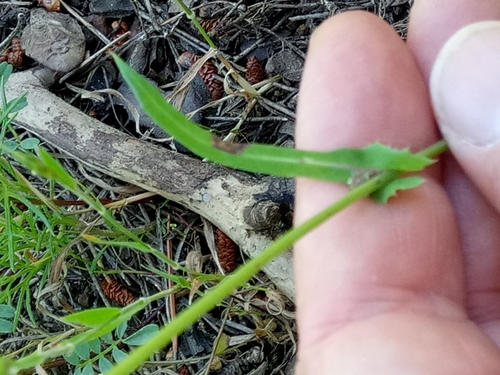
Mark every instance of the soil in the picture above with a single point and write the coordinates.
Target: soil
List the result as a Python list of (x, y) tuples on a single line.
[(273, 35)]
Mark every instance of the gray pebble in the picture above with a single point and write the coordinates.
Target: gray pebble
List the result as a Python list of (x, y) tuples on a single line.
[(54, 40)]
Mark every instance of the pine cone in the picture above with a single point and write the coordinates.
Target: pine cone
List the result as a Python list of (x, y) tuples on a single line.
[(210, 24), (117, 292), (183, 370), (226, 249), (15, 56), (255, 71), (207, 72)]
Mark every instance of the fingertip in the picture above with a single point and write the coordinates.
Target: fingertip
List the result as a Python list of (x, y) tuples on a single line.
[(464, 85), (466, 96)]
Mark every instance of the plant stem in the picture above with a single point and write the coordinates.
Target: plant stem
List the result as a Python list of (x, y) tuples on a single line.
[(189, 316), (243, 83), (189, 14)]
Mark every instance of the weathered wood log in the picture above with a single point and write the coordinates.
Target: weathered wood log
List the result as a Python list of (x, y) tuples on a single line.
[(238, 203)]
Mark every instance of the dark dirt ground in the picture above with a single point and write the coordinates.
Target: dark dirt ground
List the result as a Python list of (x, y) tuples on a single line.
[(276, 33)]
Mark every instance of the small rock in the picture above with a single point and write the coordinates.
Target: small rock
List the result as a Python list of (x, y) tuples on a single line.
[(54, 40), (113, 8), (287, 64)]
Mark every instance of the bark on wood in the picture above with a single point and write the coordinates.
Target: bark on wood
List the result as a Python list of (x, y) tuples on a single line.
[(219, 194)]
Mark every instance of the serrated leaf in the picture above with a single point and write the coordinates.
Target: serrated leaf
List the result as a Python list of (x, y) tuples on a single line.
[(72, 358), (94, 317), (83, 350), (104, 365), (333, 165), (7, 311), (95, 346), (30, 143), (120, 330), (6, 326), (88, 370), (142, 336), (383, 194), (118, 355)]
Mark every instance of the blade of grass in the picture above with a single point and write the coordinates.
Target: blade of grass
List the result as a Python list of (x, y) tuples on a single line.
[(336, 165)]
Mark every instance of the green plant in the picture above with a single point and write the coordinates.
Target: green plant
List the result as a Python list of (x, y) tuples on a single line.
[(107, 346), (378, 169), (6, 315)]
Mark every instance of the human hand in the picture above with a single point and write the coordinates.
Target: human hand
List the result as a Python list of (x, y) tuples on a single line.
[(411, 287)]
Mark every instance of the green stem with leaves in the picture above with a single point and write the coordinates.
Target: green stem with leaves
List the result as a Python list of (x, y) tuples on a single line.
[(245, 272)]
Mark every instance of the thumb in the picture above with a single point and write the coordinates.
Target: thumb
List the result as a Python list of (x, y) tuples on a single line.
[(465, 90)]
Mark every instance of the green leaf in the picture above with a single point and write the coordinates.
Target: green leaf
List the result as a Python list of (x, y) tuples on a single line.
[(5, 71), (332, 165), (9, 146), (72, 358), (7, 311), (83, 350), (88, 370), (104, 364), (30, 143), (6, 326), (94, 317), (95, 346), (222, 344), (107, 338), (118, 355), (383, 194), (142, 336), (120, 330), (17, 104)]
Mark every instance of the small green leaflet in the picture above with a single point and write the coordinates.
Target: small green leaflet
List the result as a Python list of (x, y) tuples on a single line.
[(94, 317), (335, 165), (382, 195)]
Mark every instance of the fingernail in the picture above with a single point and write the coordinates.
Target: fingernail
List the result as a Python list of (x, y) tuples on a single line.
[(465, 85)]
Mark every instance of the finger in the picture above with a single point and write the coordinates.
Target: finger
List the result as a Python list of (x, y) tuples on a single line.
[(466, 99), (361, 85), (433, 22)]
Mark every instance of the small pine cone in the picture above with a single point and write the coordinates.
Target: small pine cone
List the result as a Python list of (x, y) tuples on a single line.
[(255, 71), (207, 72), (183, 370), (117, 292), (226, 249), (210, 24), (15, 44), (15, 59), (15, 56), (120, 25)]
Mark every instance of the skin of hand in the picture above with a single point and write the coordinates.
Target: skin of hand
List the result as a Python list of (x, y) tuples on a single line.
[(413, 286)]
